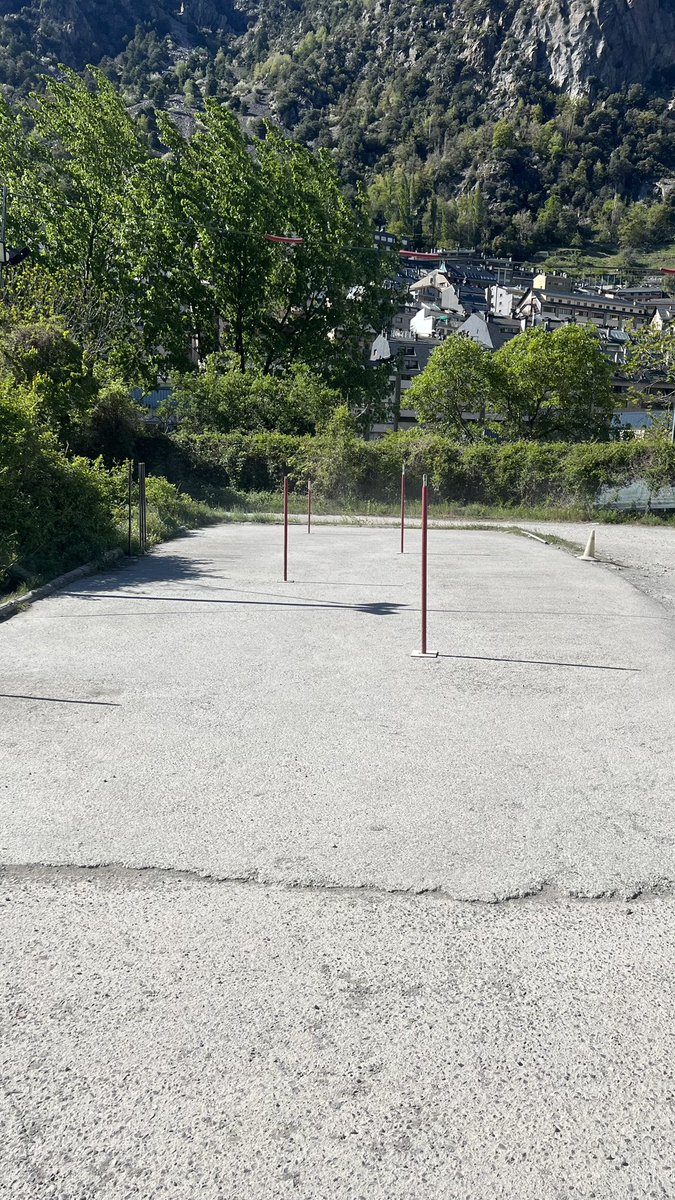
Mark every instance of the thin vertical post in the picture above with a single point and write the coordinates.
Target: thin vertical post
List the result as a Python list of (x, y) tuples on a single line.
[(285, 528), (130, 483), (402, 507), (423, 652), (309, 506), (425, 509), (142, 512)]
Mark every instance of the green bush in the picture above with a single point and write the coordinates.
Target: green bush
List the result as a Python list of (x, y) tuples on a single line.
[(344, 468), (54, 512), (170, 511), (251, 462)]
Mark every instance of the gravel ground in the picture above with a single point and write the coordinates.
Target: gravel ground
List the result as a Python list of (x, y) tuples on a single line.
[(646, 553), (339, 950)]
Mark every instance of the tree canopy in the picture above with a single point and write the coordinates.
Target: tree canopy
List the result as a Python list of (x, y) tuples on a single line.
[(460, 385), (153, 260), (540, 385), (559, 385)]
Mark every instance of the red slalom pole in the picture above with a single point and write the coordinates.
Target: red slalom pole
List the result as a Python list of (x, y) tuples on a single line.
[(425, 512), (423, 652), (402, 507), (285, 528), (309, 506)]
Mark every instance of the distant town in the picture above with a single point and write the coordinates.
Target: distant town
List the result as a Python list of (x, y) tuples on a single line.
[(491, 300)]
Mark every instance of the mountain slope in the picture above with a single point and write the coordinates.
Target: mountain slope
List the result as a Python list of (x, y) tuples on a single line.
[(520, 123), (611, 42)]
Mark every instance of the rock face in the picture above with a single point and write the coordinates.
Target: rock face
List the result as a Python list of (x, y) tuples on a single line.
[(615, 42), (79, 32), (571, 42)]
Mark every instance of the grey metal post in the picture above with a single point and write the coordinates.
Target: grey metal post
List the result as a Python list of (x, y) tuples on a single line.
[(130, 489), (142, 510)]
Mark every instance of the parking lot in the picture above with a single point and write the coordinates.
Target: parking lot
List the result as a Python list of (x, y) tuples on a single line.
[(292, 912)]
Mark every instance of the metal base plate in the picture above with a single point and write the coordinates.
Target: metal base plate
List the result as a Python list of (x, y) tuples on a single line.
[(427, 654)]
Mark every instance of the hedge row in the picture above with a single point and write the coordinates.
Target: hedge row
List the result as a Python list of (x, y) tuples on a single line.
[(348, 468)]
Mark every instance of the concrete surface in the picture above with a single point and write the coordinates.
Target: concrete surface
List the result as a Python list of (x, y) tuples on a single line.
[(646, 553), (195, 1039), (216, 720), (276, 1008)]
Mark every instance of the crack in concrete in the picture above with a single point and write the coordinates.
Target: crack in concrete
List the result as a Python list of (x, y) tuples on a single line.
[(540, 891)]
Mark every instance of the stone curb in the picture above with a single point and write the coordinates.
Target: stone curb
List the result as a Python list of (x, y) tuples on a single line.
[(12, 606)]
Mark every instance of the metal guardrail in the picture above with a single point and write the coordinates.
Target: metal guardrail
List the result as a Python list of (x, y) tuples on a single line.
[(637, 496)]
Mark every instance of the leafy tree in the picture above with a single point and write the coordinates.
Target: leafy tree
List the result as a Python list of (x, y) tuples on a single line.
[(504, 136), (224, 202), (651, 363), (558, 385), (102, 323), (276, 305), (223, 399), (461, 378), (87, 151), (72, 159), (113, 426), (652, 352), (329, 291), (46, 359), (634, 228), (146, 259)]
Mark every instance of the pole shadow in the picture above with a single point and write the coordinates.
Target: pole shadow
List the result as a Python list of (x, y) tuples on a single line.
[(58, 700), (540, 662), (380, 608)]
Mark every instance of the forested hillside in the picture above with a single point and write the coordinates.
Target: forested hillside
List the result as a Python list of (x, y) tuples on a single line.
[(514, 125)]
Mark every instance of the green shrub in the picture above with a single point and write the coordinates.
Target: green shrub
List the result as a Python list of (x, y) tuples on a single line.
[(255, 462), (54, 512), (590, 466), (346, 469), (170, 511)]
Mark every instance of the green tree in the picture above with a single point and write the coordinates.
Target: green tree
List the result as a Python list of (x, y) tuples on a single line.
[(461, 378), (224, 203), (634, 228), (328, 292), (558, 385), (223, 399), (46, 359), (275, 305), (73, 159), (504, 136), (113, 426), (651, 363)]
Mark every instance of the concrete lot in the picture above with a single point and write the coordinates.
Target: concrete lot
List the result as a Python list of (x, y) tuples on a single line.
[(276, 1007)]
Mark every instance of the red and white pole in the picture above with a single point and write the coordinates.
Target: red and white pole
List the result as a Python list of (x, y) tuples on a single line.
[(285, 528), (423, 652), (402, 507), (309, 506)]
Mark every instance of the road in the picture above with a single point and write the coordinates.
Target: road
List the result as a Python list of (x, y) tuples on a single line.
[(289, 912)]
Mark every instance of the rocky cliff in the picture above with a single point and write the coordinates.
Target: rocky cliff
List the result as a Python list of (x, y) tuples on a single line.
[(534, 119), (576, 42), (613, 42)]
